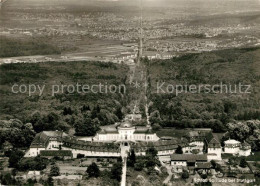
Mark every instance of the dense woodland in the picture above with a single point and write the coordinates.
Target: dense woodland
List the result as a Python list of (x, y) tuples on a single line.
[(13, 47), (232, 66), (84, 112)]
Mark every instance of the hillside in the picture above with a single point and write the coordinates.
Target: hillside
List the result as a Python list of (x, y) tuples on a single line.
[(206, 109), (63, 108)]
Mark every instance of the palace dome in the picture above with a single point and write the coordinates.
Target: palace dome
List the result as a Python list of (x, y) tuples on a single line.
[(126, 124)]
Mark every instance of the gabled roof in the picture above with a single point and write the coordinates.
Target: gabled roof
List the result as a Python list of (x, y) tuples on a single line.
[(158, 145), (102, 132), (214, 143), (143, 130), (41, 139), (199, 135), (108, 130), (203, 165), (55, 153), (111, 132), (189, 157), (53, 133), (90, 146), (245, 146), (209, 137), (232, 141)]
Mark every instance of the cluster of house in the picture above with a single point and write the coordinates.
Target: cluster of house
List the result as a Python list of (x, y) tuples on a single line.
[(236, 147), (204, 146), (129, 57), (199, 147), (190, 161)]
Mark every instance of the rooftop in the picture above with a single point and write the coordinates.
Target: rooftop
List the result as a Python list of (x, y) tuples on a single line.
[(41, 139), (126, 124), (214, 143), (55, 153), (189, 157), (231, 141), (203, 165)]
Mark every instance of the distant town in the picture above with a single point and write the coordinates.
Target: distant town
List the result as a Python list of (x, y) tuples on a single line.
[(55, 132), (115, 36)]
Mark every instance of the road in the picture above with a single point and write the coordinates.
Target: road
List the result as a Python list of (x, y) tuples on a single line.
[(168, 179), (169, 171), (123, 180), (147, 113), (124, 153)]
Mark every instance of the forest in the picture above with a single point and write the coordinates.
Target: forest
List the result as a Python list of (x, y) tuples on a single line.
[(84, 114), (78, 113), (11, 47), (212, 110)]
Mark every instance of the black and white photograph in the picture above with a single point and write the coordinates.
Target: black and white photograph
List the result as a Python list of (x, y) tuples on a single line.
[(130, 92)]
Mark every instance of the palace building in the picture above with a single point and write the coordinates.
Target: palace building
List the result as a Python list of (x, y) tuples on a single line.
[(115, 140), (46, 140), (126, 132), (106, 143)]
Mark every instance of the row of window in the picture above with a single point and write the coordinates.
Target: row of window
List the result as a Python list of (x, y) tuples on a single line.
[(126, 137)]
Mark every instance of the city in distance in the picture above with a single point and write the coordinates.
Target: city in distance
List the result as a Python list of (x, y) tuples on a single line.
[(129, 92), (110, 30)]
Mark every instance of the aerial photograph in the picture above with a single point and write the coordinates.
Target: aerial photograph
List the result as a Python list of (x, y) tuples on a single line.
[(130, 92)]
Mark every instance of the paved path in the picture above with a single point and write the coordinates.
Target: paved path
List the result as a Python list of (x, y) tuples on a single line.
[(147, 113), (169, 170), (168, 179), (124, 153), (123, 180)]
